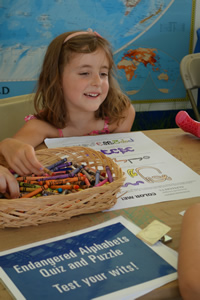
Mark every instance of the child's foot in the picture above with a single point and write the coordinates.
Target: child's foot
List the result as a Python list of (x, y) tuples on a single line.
[(185, 122)]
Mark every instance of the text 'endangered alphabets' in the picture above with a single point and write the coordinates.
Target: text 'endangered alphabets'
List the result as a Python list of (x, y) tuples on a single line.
[(80, 258)]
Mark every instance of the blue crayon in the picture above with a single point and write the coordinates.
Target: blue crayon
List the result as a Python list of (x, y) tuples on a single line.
[(76, 171), (97, 176), (67, 164), (65, 169), (57, 163)]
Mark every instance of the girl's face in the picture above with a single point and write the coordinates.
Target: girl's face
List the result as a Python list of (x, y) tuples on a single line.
[(85, 81)]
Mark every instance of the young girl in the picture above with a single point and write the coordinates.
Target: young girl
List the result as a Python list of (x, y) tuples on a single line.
[(77, 95)]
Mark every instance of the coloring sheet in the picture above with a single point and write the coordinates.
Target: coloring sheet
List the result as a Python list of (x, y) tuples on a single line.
[(152, 174)]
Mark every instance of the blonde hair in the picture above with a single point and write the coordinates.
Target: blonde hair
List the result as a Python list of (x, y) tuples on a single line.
[(49, 100)]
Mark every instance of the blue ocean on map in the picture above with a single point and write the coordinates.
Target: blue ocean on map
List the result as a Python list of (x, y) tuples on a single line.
[(29, 26)]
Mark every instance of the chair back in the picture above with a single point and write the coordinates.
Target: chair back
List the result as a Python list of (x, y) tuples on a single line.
[(12, 113), (190, 71)]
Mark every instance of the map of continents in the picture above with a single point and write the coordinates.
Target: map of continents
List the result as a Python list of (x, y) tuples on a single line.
[(130, 26)]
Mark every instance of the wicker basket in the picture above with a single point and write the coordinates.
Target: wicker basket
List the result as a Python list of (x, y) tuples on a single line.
[(34, 211)]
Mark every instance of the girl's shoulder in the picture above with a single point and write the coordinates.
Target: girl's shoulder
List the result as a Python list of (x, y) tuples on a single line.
[(44, 127)]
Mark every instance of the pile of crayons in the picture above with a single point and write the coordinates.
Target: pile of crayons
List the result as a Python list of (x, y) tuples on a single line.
[(62, 177)]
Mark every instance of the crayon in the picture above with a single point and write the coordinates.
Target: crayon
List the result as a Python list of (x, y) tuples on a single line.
[(89, 177), (65, 187), (35, 192), (31, 189), (27, 189), (110, 179), (65, 169), (57, 163), (87, 181), (64, 181), (47, 171), (102, 182), (62, 171), (66, 164), (91, 171), (23, 178), (33, 182), (97, 177), (56, 181), (29, 185), (75, 165), (55, 177), (59, 172), (76, 171)]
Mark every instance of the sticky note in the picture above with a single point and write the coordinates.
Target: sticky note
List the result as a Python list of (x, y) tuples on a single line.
[(153, 232)]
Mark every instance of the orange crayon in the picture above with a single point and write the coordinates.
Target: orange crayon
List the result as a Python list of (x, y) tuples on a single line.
[(64, 181), (34, 182), (35, 192), (23, 178)]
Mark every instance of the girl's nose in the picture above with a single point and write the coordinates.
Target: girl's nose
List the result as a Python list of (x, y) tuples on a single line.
[(96, 80)]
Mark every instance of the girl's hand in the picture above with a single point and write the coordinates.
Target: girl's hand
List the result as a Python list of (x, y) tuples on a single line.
[(8, 183), (20, 157)]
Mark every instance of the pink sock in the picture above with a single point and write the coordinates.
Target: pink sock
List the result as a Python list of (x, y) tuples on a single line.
[(185, 122)]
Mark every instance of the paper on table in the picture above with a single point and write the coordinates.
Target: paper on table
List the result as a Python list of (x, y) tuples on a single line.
[(152, 174), (106, 261)]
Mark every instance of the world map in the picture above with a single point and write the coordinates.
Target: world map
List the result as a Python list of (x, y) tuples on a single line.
[(144, 61), (140, 62)]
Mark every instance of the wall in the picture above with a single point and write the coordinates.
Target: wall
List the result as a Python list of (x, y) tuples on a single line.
[(12, 113)]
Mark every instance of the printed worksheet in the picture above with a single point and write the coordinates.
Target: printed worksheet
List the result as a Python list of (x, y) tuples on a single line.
[(152, 174)]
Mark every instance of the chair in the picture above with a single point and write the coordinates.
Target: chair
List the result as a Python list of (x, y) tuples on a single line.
[(12, 113), (190, 73)]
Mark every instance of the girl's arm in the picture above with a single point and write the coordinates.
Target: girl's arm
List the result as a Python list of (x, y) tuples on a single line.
[(19, 151), (126, 124), (189, 254), (8, 183)]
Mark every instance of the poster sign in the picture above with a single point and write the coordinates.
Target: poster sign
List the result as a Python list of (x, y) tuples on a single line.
[(106, 261)]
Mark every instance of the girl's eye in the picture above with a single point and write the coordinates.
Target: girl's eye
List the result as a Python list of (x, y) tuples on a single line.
[(104, 74), (84, 73)]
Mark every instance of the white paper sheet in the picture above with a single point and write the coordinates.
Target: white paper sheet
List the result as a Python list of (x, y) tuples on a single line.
[(152, 174)]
